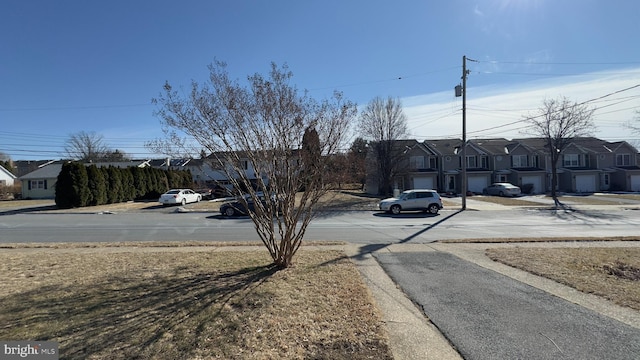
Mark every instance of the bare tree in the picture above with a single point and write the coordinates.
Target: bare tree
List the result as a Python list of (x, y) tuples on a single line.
[(634, 125), (559, 121), (86, 146), (383, 122), (285, 137)]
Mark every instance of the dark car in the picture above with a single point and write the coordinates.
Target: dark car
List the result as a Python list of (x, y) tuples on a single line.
[(207, 194), (237, 207)]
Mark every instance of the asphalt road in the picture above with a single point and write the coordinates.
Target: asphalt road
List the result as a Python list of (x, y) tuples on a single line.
[(487, 315), (364, 227)]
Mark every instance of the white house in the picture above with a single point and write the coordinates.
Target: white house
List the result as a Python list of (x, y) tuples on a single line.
[(6, 177)]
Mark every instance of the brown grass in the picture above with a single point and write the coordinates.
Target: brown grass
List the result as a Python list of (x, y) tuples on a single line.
[(26, 203), (507, 201), (613, 273), (189, 305), (544, 239)]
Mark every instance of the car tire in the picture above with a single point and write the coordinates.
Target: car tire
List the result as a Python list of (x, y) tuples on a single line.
[(183, 202), (199, 199), (501, 193), (433, 209), (229, 211), (395, 209)]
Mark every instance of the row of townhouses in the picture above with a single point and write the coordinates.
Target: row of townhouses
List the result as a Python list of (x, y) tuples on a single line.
[(587, 165)]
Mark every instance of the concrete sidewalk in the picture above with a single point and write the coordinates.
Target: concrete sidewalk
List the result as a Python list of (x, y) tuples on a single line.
[(413, 336)]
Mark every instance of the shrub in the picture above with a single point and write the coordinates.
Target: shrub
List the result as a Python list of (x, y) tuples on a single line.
[(526, 188)]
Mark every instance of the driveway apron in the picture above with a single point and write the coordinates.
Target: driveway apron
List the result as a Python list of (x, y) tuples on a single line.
[(487, 315)]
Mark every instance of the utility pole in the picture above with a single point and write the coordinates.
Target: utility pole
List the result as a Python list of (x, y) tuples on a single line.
[(462, 90)]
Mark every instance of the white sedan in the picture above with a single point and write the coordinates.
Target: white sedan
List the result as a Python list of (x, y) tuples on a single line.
[(502, 189), (179, 196)]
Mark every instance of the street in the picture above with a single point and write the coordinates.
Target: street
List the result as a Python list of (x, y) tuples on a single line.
[(362, 227)]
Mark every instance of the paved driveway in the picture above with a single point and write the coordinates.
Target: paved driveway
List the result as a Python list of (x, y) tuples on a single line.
[(487, 315)]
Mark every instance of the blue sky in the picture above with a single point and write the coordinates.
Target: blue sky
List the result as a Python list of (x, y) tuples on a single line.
[(70, 66)]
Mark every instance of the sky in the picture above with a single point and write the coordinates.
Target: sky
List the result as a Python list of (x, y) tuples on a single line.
[(69, 66)]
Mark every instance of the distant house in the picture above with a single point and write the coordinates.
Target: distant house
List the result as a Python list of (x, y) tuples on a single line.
[(6, 177), (41, 183)]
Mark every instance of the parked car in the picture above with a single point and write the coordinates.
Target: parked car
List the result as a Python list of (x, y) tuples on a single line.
[(207, 194), (179, 196), (417, 199), (237, 207), (502, 189)]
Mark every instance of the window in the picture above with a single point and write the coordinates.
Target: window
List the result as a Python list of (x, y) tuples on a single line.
[(535, 161), (484, 162), (37, 184), (471, 162), (519, 161), (606, 179), (571, 160), (416, 162), (244, 164), (433, 163), (422, 195), (623, 160)]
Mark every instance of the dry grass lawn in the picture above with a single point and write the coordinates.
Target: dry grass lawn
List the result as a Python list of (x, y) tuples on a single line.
[(209, 304), (613, 273), (507, 201)]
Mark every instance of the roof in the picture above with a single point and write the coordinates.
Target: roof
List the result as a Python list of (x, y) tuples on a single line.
[(46, 172), (24, 167), (7, 172), (444, 146), (492, 146)]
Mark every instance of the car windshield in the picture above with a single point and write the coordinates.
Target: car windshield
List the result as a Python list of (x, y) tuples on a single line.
[(173, 192), (404, 196)]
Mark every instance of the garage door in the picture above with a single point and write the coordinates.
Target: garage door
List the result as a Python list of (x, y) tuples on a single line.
[(635, 182), (476, 183), (536, 181), (423, 183), (585, 183)]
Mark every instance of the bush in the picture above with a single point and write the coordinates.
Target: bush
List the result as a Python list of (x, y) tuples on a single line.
[(526, 188), (72, 187), (79, 185)]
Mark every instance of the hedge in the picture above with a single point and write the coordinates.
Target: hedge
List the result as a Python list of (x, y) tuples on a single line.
[(79, 185)]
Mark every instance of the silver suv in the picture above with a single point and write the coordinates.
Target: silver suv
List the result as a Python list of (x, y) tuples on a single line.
[(417, 199)]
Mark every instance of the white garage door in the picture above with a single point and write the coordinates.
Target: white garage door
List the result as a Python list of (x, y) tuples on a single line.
[(476, 183), (585, 183), (536, 181), (423, 183), (635, 182)]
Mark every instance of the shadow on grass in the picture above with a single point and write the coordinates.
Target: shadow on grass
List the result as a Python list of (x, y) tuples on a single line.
[(134, 316)]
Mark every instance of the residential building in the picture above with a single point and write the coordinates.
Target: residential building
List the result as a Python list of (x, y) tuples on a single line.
[(586, 165), (6, 177)]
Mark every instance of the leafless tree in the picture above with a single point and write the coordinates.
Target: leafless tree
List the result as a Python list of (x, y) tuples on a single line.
[(86, 146), (634, 126), (284, 135), (383, 122), (559, 121)]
